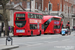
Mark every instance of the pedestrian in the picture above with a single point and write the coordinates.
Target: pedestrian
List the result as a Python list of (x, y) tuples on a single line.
[(0, 31), (4, 30), (68, 25), (12, 29), (8, 30)]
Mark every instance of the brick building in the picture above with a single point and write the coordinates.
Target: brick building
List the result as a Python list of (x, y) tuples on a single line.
[(62, 8), (68, 11), (29, 5)]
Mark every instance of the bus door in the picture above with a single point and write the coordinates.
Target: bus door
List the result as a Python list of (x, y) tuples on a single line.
[(56, 27), (34, 29)]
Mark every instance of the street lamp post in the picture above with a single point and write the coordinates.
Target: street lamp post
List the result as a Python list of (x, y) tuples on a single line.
[(49, 7), (68, 14), (30, 5), (58, 8)]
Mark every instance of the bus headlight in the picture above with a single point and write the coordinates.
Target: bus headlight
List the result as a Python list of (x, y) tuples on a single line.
[(14, 26)]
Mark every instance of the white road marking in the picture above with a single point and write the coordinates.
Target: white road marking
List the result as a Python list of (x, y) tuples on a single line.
[(35, 44), (65, 39), (40, 43), (53, 41)]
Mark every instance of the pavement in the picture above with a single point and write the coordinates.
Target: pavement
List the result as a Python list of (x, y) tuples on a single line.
[(8, 47), (10, 34)]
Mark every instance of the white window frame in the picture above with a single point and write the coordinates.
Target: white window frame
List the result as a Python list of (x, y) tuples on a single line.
[(20, 3), (12, 3), (51, 6), (40, 7), (28, 5), (36, 5)]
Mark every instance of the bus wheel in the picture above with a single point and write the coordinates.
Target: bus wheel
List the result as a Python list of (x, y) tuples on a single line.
[(60, 32), (19, 36), (31, 33)]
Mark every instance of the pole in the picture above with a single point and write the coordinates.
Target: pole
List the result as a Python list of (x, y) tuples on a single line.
[(68, 13), (49, 7), (58, 8), (30, 5)]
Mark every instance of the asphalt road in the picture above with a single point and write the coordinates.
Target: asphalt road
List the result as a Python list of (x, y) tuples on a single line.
[(44, 42)]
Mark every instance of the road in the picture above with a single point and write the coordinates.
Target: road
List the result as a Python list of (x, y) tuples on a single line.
[(44, 42)]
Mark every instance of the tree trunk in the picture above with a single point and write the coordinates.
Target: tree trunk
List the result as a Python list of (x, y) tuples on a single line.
[(5, 19)]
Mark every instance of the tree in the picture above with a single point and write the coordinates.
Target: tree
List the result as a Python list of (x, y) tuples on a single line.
[(3, 3)]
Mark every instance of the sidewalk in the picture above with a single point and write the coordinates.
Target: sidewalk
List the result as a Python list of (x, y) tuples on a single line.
[(73, 33), (10, 34), (8, 47)]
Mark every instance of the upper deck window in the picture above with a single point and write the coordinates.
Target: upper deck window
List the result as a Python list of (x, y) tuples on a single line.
[(37, 16), (20, 15), (56, 19)]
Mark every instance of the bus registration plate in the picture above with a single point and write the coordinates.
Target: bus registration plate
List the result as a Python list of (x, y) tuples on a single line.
[(20, 31)]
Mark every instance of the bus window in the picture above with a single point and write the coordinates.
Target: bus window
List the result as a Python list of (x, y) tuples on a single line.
[(56, 19), (42, 26), (32, 15), (20, 15), (20, 23), (35, 16), (47, 23), (29, 15), (33, 26), (56, 27), (41, 16), (61, 20)]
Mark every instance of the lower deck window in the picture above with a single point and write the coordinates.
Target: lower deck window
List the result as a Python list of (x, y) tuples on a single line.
[(56, 27), (33, 26)]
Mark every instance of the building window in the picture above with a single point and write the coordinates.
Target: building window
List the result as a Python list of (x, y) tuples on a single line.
[(20, 3), (12, 3), (36, 5), (49, 6), (39, 6), (45, 8), (28, 5), (15, 0)]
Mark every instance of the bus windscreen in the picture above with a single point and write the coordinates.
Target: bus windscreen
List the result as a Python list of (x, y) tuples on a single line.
[(20, 23)]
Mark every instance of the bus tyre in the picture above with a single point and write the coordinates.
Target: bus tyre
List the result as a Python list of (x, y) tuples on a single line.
[(63, 34), (60, 32), (31, 33), (45, 33), (19, 36)]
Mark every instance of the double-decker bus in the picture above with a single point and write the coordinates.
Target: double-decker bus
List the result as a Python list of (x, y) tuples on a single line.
[(28, 23), (52, 24)]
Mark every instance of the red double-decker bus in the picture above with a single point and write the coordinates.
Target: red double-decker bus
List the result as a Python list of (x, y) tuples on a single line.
[(28, 23), (52, 24)]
